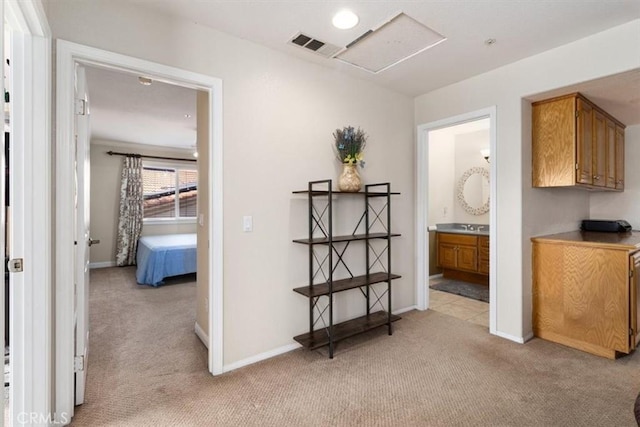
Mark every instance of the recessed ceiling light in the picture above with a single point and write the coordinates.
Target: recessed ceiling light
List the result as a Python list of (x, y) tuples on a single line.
[(187, 116), (345, 19), (490, 42), (145, 81)]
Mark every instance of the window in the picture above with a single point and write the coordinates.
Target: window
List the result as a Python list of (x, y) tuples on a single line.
[(170, 192)]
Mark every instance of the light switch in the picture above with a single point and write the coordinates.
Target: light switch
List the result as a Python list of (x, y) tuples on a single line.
[(247, 223)]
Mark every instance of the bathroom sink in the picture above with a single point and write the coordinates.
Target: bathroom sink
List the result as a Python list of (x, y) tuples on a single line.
[(459, 228)]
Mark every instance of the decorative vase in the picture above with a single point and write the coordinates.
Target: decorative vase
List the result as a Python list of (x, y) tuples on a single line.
[(349, 180)]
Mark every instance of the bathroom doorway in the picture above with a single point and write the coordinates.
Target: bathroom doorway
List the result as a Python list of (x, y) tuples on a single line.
[(455, 217), (458, 227)]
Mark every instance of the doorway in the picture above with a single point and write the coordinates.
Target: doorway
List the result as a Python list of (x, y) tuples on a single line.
[(463, 259), (154, 302), (458, 199), (70, 56)]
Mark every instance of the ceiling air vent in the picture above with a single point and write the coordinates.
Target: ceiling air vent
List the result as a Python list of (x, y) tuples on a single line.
[(316, 46)]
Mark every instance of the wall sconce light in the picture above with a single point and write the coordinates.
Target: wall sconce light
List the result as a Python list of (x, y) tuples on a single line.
[(485, 153)]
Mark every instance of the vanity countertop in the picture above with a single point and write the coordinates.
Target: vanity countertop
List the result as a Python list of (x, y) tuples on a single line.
[(459, 228)]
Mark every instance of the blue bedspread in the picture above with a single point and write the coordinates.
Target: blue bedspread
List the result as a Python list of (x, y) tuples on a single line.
[(164, 256)]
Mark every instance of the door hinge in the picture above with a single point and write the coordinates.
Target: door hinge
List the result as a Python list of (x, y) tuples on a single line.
[(630, 332), (78, 363), (577, 166), (16, 265), (81, 107), (630, 273)]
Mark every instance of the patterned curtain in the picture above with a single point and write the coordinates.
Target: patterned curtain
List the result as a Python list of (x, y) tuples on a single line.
[(131, 201)]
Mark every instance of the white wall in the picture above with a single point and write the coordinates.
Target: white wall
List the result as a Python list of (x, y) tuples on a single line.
[(105, 196), (442, 179), (625, 205), (279, 114), (451, 154), (467, 156), (524, 212)]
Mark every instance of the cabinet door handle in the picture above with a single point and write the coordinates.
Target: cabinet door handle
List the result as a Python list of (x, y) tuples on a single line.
[(596, 177)]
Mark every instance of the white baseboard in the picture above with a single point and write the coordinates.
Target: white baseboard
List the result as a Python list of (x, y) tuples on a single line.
[(203, 337), (103, 264), (260, 357), (281, 350), (436, 276), (519, 340), (404, 310)]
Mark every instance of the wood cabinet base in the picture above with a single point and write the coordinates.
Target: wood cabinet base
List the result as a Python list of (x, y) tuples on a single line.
[(465, 276), (585, 291), (578, 344)]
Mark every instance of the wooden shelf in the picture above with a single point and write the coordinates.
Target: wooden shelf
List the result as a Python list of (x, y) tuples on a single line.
[(347, 238), (361, 193), (321, 221), (359, 325), (344, 284)]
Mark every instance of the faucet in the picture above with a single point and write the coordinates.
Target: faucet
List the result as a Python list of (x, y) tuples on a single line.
[(464, 226), (470, 227)]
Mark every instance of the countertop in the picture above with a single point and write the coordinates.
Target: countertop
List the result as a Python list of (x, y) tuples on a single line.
[(457, 228), (625, 241)]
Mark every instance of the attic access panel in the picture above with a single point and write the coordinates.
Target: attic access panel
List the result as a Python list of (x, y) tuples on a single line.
[(395, 41)]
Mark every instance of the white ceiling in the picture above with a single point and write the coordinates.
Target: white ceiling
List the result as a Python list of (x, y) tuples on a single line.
[(521, 29), (124, 110)]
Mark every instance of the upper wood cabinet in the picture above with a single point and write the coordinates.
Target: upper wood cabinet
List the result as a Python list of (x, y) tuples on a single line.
[(576, 143)]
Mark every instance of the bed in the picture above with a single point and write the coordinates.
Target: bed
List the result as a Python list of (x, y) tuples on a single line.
[(165, 256)]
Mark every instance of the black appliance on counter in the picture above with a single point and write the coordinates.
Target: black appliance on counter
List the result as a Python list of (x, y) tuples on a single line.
[(606, 225)]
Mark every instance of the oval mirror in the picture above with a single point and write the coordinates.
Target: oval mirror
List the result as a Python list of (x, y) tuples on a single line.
[(473, 191)]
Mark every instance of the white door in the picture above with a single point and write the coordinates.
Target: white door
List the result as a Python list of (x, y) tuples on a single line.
[(83, 239), (2, 200)]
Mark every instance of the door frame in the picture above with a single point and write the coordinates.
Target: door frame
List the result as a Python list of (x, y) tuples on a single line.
[(67, 55), (31, 330), (422, 207)]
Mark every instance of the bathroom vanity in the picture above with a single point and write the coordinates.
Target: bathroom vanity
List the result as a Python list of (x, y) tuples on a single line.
[(463, 252)]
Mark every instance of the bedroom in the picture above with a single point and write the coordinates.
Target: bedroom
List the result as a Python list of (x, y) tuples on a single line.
[(158, 121)]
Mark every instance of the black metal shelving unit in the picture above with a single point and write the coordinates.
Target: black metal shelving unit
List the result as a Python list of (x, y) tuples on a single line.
[(374, 225)]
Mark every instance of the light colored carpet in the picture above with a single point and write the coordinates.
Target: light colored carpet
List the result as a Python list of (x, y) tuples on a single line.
[(147, 368)]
